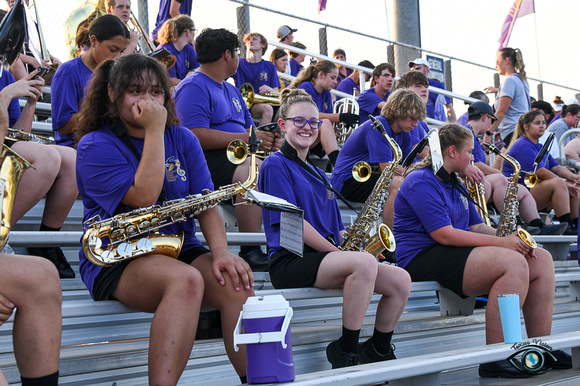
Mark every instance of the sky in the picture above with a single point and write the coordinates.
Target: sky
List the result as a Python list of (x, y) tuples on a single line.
[(464, 29)]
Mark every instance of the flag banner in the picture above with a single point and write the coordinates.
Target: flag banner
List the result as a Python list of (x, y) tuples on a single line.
[(520, 8), (321, 5)]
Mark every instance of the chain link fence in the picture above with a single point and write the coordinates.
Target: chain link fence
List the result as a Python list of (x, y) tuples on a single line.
[(461, 77)]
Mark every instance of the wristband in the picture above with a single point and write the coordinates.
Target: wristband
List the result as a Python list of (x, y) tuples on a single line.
[(487, 132)]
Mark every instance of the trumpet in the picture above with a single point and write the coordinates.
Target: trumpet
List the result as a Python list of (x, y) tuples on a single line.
[(238, 150), (163, 55), (251, 98), (362, 170), (344, 105)]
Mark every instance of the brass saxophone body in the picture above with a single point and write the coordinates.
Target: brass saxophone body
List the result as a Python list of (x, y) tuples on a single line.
[(507, 219), (12, 169), (135, 234), (356, 236), (477, 193)]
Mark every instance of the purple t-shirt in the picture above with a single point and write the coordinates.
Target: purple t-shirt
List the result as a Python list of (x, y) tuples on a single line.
[(368, 144), (14, 106), (202, 102), (186, 60), (295, 67), (106, 168), (257, 74), (434, 97), (478, 152), (69, 85), (347, 86), (163, 15), (525, 151), (368, 103), (424, 204), (341, 77), (284, 178), (323, 100)]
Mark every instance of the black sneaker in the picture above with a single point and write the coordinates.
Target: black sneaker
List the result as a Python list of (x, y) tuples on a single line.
[(55, 255), (555, 229), (339, 358), (532, 230), (563, 360), (368, 353), (257, 259), (500, 369), (572, 230)]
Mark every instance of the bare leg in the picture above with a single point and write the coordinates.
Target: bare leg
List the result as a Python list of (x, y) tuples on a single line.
[(552, 192), (35, 183), (33, 286), (229, 302), (394, 284), (262, 111), (174, 292), (528, 209), (63, 193), (356, 272), (539, 303), (495, 271)]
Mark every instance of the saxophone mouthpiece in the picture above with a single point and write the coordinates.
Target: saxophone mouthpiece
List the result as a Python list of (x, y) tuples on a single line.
[(377, 124), (254, 141), (491, 147)]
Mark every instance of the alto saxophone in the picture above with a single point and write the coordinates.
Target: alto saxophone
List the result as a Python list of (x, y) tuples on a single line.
[(11, 171), (507, 219), (135, 234), (477, 193), (356, 236)]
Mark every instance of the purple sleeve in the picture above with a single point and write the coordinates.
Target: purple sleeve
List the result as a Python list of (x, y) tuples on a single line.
[(193, 105)]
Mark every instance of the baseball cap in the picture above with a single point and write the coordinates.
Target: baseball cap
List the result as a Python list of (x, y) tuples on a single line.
[(419, 61), (285, 30), (482, 108)]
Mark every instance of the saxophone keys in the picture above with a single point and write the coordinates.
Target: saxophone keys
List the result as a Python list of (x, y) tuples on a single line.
[(107, 256), (125, 250), (95, 242), (145, 245)]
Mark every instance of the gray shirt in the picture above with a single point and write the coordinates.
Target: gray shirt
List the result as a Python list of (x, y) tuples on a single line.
[(519, 92)]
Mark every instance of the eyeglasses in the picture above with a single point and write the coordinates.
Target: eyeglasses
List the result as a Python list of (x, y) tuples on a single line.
[(236, 51), (492, 119), (194, 30), (300, 122)]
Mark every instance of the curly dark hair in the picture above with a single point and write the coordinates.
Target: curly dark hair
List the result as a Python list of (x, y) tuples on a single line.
[(98, 109), (212, 43)]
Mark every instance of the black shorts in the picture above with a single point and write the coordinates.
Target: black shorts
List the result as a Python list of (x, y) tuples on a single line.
[(9, 142), (221, 169), (441, 263), (288, 270), (359, 191), (318, 150), (108, 279)]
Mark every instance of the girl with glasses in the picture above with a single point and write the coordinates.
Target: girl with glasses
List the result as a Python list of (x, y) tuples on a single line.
[(288, 174), (177, 36), (317, 80)]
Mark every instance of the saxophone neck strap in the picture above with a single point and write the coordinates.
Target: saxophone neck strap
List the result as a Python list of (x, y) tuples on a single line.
[(118, 128), (453, 179), (289, 152)]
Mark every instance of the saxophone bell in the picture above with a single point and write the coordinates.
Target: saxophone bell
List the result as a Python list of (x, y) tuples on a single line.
[(383, 239), (526, 238)]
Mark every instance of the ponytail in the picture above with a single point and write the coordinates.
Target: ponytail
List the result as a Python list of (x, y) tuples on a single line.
[(311, 72)]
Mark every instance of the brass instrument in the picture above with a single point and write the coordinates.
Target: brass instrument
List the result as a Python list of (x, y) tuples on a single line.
[(21, 135), (507, 219), (135, 234), (163, 55), (361, 171), (251, 98), (356, 237), (11, 171), (344, 105), (477, 193), (81, 16), (531, 179)]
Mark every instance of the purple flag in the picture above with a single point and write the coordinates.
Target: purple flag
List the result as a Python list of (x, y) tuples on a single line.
[(519, 8), (321, 5)]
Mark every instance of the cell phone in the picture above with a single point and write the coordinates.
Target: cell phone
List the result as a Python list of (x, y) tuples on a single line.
[(42, 72)]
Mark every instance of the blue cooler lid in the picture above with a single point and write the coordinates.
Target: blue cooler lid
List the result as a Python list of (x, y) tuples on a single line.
[(265, 306)]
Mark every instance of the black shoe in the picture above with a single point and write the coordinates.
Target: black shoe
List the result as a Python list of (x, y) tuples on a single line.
[(368, 353), (532, 230), (572, 230), (257, 259), (500, 369), (555, 229), (55, 255), (563, 360), (339, 358)]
